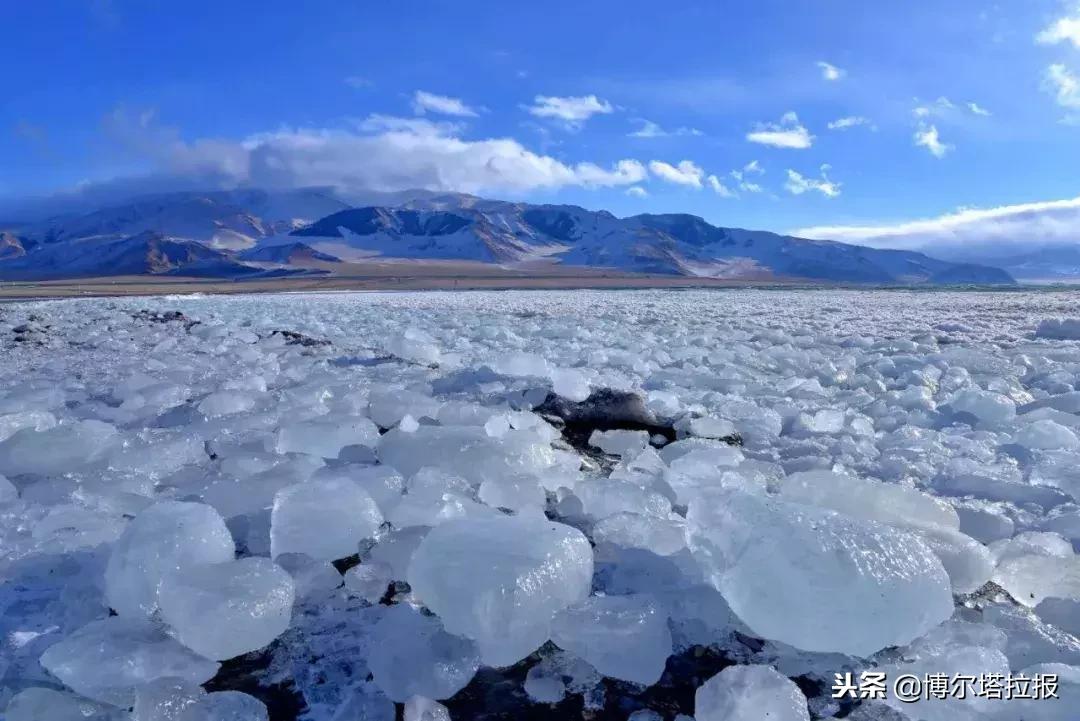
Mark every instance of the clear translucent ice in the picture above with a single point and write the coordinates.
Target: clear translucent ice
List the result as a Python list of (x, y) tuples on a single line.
[(899, 450)]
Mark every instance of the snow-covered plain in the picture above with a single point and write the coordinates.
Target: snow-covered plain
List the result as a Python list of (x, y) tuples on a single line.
[(320, 506)]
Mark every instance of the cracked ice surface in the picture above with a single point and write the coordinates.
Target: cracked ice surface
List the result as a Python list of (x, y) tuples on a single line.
[(337, 483)]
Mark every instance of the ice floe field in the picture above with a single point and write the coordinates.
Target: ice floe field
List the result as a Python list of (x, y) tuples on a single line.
[(730, 506)]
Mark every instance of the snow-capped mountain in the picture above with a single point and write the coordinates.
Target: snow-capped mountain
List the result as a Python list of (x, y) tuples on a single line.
[(233, 232), (454, 227), (224, 219)]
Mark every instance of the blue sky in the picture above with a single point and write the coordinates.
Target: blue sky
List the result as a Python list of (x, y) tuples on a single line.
[(629, 106)]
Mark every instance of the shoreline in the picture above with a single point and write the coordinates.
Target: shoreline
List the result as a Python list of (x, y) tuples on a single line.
[(135, 286)]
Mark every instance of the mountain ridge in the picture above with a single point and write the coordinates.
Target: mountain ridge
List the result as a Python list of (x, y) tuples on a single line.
[(250, 230)]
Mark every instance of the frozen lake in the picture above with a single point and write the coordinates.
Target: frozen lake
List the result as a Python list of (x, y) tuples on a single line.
[(358, 500)]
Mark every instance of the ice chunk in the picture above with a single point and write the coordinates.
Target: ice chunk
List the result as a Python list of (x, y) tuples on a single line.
[(750, 693), (38, 420), (1058, 329), (619, 442), (109, 660), (466, 451), (325, 519), (46, 704), (310, 577), (1031, 543), (570, 383), (989, 408), (869, 499), (624, 637), (225, 706), (707, 427), (415, 345), (983, 521), (872, 585), (387, 407), (1046, 435), (522, 364), (57, 450), (165, 699), (544, 685), (369, 581), (8, 491), (518, 493), (170, 536), (968, 562), (604, 497), (226, 403), (645, 714), (1031, 578), (419, 708), (1061, 612), (411, 655), (325, 438), (68, 527), (226, 609), (500, 581), (632, 530)]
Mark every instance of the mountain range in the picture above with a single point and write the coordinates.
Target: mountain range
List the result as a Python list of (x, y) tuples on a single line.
[(255, 233)]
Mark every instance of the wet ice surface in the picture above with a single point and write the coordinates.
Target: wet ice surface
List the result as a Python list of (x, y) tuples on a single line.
[(528, 505)]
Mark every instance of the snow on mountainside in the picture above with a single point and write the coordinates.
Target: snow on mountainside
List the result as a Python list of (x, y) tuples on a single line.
[(222, 219), (147, 253), (313, 225), (467, 228)]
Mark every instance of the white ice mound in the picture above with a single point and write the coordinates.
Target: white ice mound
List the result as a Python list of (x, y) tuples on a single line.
[(56, 450), (170, 536), (411, 655), (108, 660), (499, 581), (624, 637), (223, 610), (861, 586), (750, 693), (325, 519)]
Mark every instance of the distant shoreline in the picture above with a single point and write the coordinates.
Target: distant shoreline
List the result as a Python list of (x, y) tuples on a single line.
[(133, 286)]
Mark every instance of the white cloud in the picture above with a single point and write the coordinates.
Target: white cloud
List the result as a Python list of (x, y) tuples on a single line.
[(797, 184), (649, 129), (788, 133), (830, 71), (380, 153), (685, 173), (849, 121), (926, 136), (718, 187), (751, 168), (636, 191), (1065, 86), (573, 110), (1064, 29), (941, 106), (977, 109), (1047, 222), (424, 101)]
